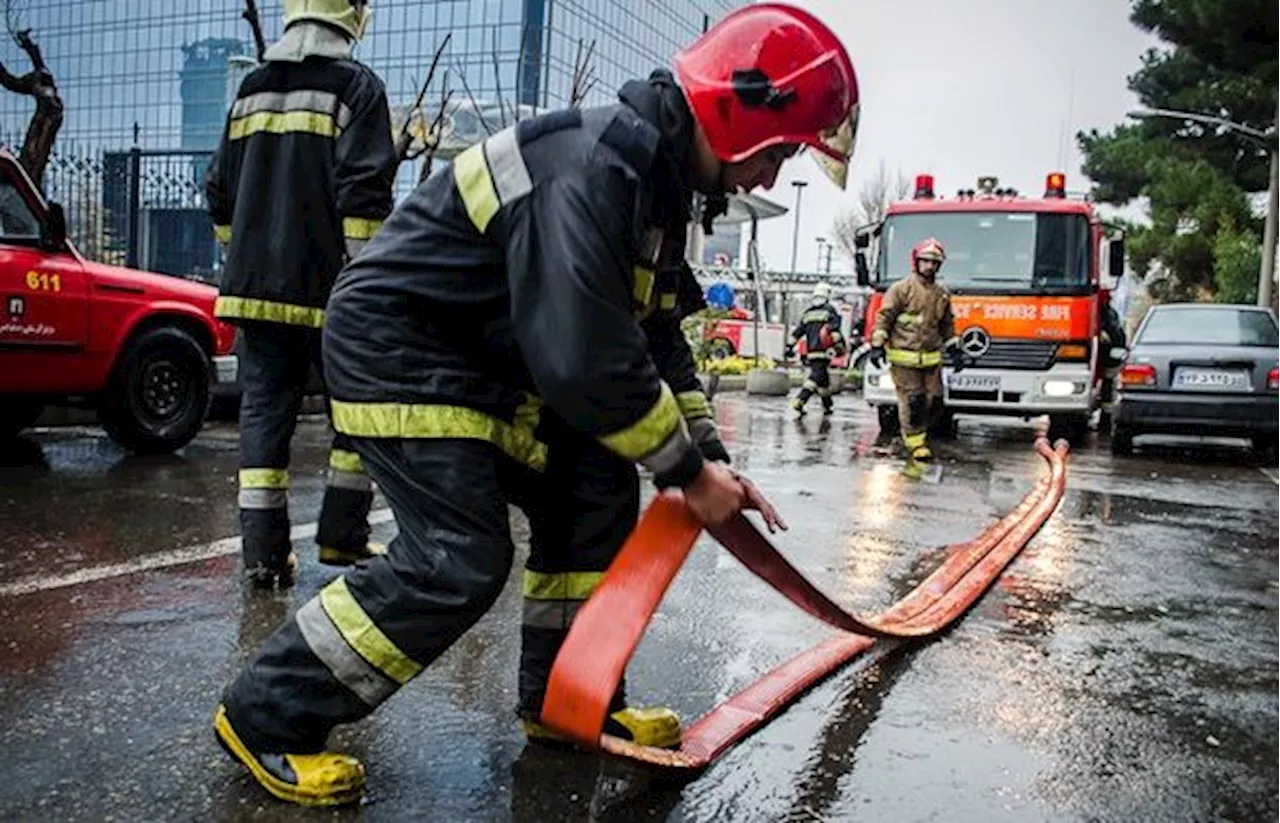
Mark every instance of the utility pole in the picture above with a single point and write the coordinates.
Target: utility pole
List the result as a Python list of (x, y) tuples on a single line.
[(795, 232)]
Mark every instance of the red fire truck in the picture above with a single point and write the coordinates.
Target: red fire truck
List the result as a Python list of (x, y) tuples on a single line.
[(1030, 279), (141, 349)]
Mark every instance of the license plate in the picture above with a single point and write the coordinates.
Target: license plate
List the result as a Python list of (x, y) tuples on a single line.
[(973, 382), (1212, 379)]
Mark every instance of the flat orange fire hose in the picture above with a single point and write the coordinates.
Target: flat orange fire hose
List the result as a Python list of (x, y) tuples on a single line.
[(609, 626)]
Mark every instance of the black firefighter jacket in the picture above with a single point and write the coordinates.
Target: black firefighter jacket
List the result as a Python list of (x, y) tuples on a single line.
[(305, 165), (541, 267)]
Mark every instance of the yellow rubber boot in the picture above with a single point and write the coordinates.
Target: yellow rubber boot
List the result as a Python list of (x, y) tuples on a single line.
[(324, 779), (334, 556), (655, 726), (922, 454)]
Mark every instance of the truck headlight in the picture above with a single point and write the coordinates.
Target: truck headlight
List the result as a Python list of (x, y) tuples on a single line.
[(1062, 388)]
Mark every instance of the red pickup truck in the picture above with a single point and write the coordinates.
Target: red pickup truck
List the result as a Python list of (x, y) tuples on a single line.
[(142, 349)]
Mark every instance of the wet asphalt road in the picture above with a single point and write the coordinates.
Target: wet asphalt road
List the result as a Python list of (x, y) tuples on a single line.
[(1124, 668)]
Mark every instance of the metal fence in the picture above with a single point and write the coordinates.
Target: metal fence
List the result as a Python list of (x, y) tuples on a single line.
[(140, 208)]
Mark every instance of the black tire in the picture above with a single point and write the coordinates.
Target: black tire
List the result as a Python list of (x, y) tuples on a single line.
[(888, 418), (17, 414), (720, 348), (1264, 445), (159, 394), (1121, 439), (1072, 429)]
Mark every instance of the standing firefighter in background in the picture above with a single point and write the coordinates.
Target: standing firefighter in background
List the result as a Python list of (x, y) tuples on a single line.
[(501, 342), (819, 329), (913, 327), (301, 180)]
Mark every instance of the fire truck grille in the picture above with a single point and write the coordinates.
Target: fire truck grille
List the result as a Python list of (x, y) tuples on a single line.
[(1030, 355)]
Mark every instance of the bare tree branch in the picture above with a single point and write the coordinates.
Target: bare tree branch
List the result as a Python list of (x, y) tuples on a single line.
[(40, 85), (405, 139), (254, 20), (467, 88), (524, 37), (582, 68), (874, 198), (497, 79)]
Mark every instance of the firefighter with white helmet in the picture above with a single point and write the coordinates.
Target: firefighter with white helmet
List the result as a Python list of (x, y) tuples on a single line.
[(302, 178), (914, 326), (511, 336), (819, 333)]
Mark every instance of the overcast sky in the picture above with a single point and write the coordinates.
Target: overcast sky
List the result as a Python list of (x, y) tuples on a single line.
[(962, 88)]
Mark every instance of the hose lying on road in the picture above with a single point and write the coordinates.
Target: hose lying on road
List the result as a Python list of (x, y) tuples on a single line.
[(609, 626)]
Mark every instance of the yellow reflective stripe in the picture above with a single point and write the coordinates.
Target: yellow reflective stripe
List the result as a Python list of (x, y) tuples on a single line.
[(360, 228), (287, 122), (345, 461), (668, 301), (222, 233), (914, 359), (910, 318), (693, 404), (649, 432), (878, 337), (475, 186), (560, 585), (414, 420), (358, 629), (251, 308), (642, 290), (914, 441), (264, 478), (818, 316)]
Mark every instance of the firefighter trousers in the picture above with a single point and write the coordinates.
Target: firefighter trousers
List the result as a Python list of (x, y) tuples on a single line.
[(373, 630), (919, 393), (275, 363), (818, 381)]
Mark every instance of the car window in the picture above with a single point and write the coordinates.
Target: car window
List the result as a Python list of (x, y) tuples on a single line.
[(1225, 326), (17, 223)]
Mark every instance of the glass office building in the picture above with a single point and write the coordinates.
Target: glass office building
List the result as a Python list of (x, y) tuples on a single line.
[(164, 66), (147, 84)]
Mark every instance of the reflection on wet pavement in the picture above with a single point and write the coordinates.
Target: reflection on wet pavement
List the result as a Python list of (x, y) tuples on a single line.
[(1123, 668)]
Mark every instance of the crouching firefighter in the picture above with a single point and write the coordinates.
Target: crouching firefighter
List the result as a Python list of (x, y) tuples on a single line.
[(302, 178), (497, 343), (915, 324), (819, 332)]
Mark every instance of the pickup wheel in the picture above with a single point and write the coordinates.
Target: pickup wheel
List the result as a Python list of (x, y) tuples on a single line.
[(16, 415), (159, 394)]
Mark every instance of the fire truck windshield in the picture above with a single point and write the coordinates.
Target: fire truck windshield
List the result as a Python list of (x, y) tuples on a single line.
[(993, 251)]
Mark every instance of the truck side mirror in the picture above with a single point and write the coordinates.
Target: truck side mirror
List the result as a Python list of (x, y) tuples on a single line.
[(860, 263), (861, 240), (1115, 258), (53, 230)]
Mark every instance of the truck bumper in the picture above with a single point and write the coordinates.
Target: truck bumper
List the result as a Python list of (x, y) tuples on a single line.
[(1065, 389)]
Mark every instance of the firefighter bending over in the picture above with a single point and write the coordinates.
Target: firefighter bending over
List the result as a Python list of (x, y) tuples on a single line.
[(819, 330), (501, 341), (913, 327), (301, 179)]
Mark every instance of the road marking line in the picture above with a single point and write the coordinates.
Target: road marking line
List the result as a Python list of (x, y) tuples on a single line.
[(159, 560), (1271, 475)]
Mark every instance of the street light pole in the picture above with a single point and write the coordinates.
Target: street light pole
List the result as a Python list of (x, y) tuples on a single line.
[(818, 262), (1266, 278), (795, 232), (1267, 139)]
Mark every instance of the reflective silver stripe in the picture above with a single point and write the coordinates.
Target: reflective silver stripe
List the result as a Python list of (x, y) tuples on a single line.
[(550, 614), (667, 456), (264, 498), (810, 385), (703, 429), (506, 165), (300, 100), (356, 481), (351, 670)]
